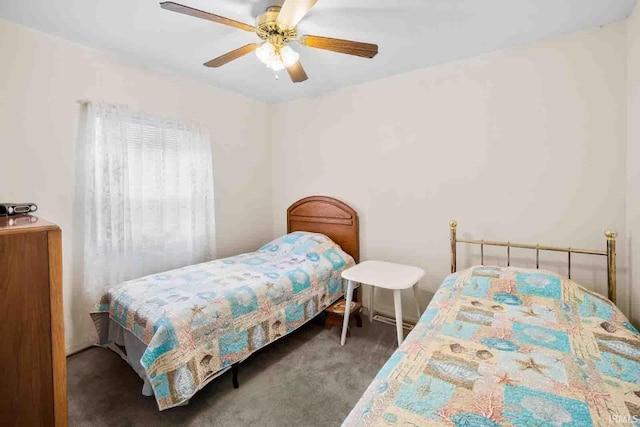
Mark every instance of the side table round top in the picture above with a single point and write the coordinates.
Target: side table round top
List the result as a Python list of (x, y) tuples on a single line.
[(383, 274)]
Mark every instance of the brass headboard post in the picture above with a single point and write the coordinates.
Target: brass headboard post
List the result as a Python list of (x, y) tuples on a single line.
[(611, 264), (610, 253), (452, 226)]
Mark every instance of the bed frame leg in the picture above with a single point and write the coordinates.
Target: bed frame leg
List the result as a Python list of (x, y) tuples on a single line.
[(234, 370), (358, 320)]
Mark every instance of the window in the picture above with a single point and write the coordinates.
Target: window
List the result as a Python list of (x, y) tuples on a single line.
[(147, 194)]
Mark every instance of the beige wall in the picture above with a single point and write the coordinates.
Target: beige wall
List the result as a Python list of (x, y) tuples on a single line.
[(526, 144), (633, 157), (41, 78)]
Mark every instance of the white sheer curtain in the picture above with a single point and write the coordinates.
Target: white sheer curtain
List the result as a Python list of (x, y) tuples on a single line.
[(146, 195)]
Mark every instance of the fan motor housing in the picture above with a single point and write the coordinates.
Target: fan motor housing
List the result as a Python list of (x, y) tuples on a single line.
[(268, 28)]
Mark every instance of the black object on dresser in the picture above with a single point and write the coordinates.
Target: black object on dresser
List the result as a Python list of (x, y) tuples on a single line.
[(17, 208)]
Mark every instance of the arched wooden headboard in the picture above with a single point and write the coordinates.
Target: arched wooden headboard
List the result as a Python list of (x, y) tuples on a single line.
[(329, 216)]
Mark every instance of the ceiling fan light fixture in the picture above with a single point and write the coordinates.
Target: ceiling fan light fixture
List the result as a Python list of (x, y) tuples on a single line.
[(277, 27), (264, 52), (268, 55), (276, 59)]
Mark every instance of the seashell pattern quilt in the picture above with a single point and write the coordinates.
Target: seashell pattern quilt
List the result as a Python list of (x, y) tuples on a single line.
[(198, 320), (510, 347)]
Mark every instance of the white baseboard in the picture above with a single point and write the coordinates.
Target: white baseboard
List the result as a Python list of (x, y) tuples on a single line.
[(79, 346)]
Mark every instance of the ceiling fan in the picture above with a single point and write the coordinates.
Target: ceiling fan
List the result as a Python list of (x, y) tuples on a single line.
[(277, 27)]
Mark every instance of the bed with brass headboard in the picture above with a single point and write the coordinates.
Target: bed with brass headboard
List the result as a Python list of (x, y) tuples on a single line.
[(512, 346), (610, 253)]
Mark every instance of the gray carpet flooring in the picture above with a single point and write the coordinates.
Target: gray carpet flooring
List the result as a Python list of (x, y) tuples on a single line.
[(303, 379)]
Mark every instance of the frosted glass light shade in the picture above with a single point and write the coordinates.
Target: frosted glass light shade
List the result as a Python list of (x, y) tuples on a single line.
[(289, 56), (275, 60), (275, 64), (264, 52)]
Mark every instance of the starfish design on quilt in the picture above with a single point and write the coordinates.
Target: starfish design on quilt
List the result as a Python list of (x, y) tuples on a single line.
[(557, 359), (197, 310), (531, 364), (506, 379)]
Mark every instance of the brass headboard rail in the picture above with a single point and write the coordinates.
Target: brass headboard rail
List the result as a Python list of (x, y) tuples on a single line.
[(610, 253)]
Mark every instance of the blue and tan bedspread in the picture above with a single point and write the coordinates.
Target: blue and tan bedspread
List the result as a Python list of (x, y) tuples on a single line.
[(507, 346), (200, 319)]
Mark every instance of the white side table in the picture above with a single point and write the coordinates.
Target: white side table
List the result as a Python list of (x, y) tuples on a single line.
[(383, 275)]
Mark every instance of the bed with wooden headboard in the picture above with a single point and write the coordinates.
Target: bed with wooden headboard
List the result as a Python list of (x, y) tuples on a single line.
[(224, 310), (328, 216)]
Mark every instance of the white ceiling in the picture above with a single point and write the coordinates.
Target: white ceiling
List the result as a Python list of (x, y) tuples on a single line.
[(412, 34)]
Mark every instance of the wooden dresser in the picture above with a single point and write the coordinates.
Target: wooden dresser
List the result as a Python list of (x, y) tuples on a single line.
[(33, 390)]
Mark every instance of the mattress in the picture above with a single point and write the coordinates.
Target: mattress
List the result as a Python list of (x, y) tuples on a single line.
[(198, 320), (509, 346)]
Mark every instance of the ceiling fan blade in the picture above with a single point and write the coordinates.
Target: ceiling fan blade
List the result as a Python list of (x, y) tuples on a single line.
[(297, 73), (186, 10), (365, 50), (230, 56), (293, 11)]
